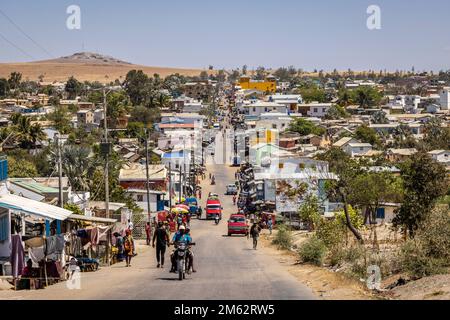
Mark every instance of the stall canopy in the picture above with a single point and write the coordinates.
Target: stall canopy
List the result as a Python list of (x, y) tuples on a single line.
[(44, 210)]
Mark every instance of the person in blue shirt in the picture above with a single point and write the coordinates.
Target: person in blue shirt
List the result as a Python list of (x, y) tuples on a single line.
[(182, 236)]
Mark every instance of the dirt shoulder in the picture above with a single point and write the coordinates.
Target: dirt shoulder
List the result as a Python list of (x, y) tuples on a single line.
[(326, 284)]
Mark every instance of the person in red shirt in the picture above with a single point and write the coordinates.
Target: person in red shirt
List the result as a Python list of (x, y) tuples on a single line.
[(147, 232)]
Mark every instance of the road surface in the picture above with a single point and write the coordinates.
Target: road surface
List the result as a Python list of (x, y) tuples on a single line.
[(228, 267)]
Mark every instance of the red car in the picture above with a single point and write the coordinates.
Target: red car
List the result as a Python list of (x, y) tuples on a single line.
[(237, 225), (213, 207)]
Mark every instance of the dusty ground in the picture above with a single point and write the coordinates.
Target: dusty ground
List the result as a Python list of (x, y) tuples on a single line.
[(325, 283), (84, 72)]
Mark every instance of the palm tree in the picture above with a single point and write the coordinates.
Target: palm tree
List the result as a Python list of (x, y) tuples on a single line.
[(29, 134), (78, 166), (36, 134)]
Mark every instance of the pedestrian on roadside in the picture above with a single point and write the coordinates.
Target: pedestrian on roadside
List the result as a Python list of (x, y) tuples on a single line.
[(254, 233), (199, 194), (162, 240), (128, 247), (147, 232), (270, 224)]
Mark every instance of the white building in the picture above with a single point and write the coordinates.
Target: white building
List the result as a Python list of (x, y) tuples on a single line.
[(444, 95), (259, 107), (357, 148), (316, 109)]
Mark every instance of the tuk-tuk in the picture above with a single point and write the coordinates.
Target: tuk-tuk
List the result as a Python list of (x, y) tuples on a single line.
[(193, 205)]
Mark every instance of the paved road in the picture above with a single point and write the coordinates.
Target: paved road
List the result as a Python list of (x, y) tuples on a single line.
[(228, 268)]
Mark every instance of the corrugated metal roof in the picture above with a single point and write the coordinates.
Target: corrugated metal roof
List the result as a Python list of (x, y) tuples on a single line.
[(37, 208)]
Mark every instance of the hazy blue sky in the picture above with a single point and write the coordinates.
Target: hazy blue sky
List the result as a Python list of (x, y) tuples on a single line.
[(321, 34)]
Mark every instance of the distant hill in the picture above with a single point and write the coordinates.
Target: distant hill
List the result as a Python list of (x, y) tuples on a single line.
[(85, 66), (86, 57)]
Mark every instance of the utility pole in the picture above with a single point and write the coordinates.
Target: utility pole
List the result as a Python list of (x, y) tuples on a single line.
[(170, 185), (58, 152), (106, 151), (147, 184), (106, 155), (179, 194)]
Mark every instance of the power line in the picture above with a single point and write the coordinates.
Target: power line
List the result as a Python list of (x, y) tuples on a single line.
[(16, 46), (25, 34)]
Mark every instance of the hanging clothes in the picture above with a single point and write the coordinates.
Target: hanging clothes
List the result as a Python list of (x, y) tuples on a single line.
[(17, 257), (36, 254), (94, 237)]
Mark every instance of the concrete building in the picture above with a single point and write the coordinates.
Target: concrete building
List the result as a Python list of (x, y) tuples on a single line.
[(444, 95)]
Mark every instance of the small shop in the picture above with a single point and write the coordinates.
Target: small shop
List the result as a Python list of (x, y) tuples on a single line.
[(32, 244)]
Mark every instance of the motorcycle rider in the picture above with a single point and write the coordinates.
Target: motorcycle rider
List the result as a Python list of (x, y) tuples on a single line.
[(234, 200), (181, 236), (217, 218)]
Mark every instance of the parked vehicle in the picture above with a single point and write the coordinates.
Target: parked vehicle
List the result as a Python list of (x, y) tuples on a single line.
[(237, 224), (231, 189), (213, 207)]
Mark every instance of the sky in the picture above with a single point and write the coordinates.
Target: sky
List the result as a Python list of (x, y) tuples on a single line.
[(316, 34)]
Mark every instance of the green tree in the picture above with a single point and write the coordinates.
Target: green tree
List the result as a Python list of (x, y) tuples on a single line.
[(379, 117), (73, 87), (309, 211), (336, 112), (14, 80), (144, 115), (436, 135), (21, 168), (78, 166), (367, 135), (314, 93), (260, 73), (61, 119), (424, 181), (340, 190), (305, 127), (135, 85), (4, 87), (367, 97)]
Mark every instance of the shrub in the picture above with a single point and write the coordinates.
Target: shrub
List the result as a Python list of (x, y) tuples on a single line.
[(283, 238), (356, 218), (313, 251), (331, 233), (429, 252), (414, 261)]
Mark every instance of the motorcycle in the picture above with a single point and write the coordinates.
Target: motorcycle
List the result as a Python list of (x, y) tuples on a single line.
[(182, 254), (213, 181)]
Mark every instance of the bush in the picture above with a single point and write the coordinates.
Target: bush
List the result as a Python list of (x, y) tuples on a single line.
[(283, 238), (331, 233), (414, 261), (313, 251), (429, 252)]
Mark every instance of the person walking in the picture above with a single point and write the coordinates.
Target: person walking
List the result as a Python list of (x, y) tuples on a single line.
[(254, 233), (161, 237), (147, 232), (270, 224), (128, 243)]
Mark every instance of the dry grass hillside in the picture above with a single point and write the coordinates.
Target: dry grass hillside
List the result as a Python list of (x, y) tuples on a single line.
[(85, 66)]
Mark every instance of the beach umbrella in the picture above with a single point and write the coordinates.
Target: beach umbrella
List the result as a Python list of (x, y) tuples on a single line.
[(182, 206), (179, 210)]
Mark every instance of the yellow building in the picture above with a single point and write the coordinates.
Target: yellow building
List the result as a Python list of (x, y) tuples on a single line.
[(267, 85)]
